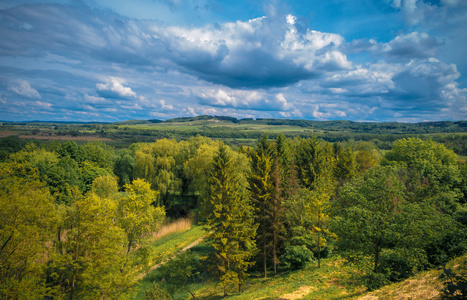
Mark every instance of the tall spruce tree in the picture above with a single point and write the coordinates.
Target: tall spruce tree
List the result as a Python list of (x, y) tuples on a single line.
[(261, 191), (229, 220), (278, 231)]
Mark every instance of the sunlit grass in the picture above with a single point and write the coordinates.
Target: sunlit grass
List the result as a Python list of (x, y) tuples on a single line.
[(165, 248)]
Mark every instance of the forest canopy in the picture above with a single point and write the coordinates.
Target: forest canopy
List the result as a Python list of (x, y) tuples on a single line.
[(77, 219)]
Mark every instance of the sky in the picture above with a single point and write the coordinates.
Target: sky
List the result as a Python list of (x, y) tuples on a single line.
[(109, 60)]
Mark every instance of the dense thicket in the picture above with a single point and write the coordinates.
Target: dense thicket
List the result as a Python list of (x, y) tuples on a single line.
[(76, 219)]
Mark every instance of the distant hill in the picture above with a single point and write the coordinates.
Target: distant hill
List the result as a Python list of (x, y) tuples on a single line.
[(341, 125), (203, 118)]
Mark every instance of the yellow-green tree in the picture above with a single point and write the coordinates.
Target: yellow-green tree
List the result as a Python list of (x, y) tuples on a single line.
[(317, 206), (28, 219), (136, 214), (91, 254)]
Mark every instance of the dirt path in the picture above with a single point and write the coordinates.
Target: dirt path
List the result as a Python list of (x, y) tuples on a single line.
[(140, 276)]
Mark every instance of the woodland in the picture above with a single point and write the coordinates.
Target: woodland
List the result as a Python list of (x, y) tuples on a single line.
[(76, 218)]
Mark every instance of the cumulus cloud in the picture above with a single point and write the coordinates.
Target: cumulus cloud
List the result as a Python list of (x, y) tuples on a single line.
[(114, 89), (23, 88), (260, 53), (414, 45), (165, 106), (244, 99), (271, 66)]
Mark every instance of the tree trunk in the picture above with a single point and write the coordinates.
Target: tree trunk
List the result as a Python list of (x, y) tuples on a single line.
[(319, 239), (377, 251)]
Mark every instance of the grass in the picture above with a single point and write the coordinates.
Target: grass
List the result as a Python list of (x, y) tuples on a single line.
[(331, 281), (334, 280), (166, 247), (179, 225)]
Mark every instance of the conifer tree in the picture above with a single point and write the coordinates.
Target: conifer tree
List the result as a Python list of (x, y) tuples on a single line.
[(261, 191), (229, 220), (278, 231)]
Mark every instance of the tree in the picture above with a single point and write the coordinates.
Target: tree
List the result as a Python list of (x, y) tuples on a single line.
[(136, 214), (261, 189), (376, 220), (318, 207), (63, 176), (100, 154), (91, 256), (72, 150), (89, 172), (105, 187), (314, 159), (433, 172), (346, 165), (229, 221), (28, 219), (278, 231), (123, 168)]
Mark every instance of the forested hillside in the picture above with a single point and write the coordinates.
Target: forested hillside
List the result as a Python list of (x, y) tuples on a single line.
[(77, 219)]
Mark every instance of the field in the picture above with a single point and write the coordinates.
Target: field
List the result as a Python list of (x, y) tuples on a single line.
[(239, 132)]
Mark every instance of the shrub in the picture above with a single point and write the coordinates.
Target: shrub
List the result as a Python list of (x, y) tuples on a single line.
[(399, 264), (296, 257)]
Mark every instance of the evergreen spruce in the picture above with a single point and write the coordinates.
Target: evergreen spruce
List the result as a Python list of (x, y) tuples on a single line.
[(229, 220)]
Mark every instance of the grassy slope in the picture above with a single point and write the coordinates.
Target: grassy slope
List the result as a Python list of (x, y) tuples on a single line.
[(332, 281), (165, 248)]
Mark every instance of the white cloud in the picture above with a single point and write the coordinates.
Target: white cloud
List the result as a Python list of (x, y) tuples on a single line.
[(263, 52), (114, 89), (23, 88), (244, 99), (43, 105), (165, 106)]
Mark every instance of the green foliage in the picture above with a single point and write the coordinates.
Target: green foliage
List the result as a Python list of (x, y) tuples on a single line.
[(229, 220), (105, 187), (72, 150), (156, 292), (399, 264), (136, 214), (346, 165), (433, 170), (123, 168), (27, 220), (91, 256), (89, 172), (296, 257), (8, 145), (455, 282), (261, 189), (374, 280), (180, 272), (99, 154), (63, 176)]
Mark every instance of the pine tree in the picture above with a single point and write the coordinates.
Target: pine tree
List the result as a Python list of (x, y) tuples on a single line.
[(278, 231), (261, 191), (229, 220)]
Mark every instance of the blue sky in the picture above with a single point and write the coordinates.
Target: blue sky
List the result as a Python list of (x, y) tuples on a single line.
[(107, 60)]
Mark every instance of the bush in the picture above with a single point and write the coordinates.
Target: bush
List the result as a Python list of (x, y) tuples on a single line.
[(399, 264), (455, 281), (374, 281), (156, 292), (296, 257)]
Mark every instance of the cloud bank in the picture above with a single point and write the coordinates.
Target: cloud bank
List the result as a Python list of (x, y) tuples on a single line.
[(73, 61)]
